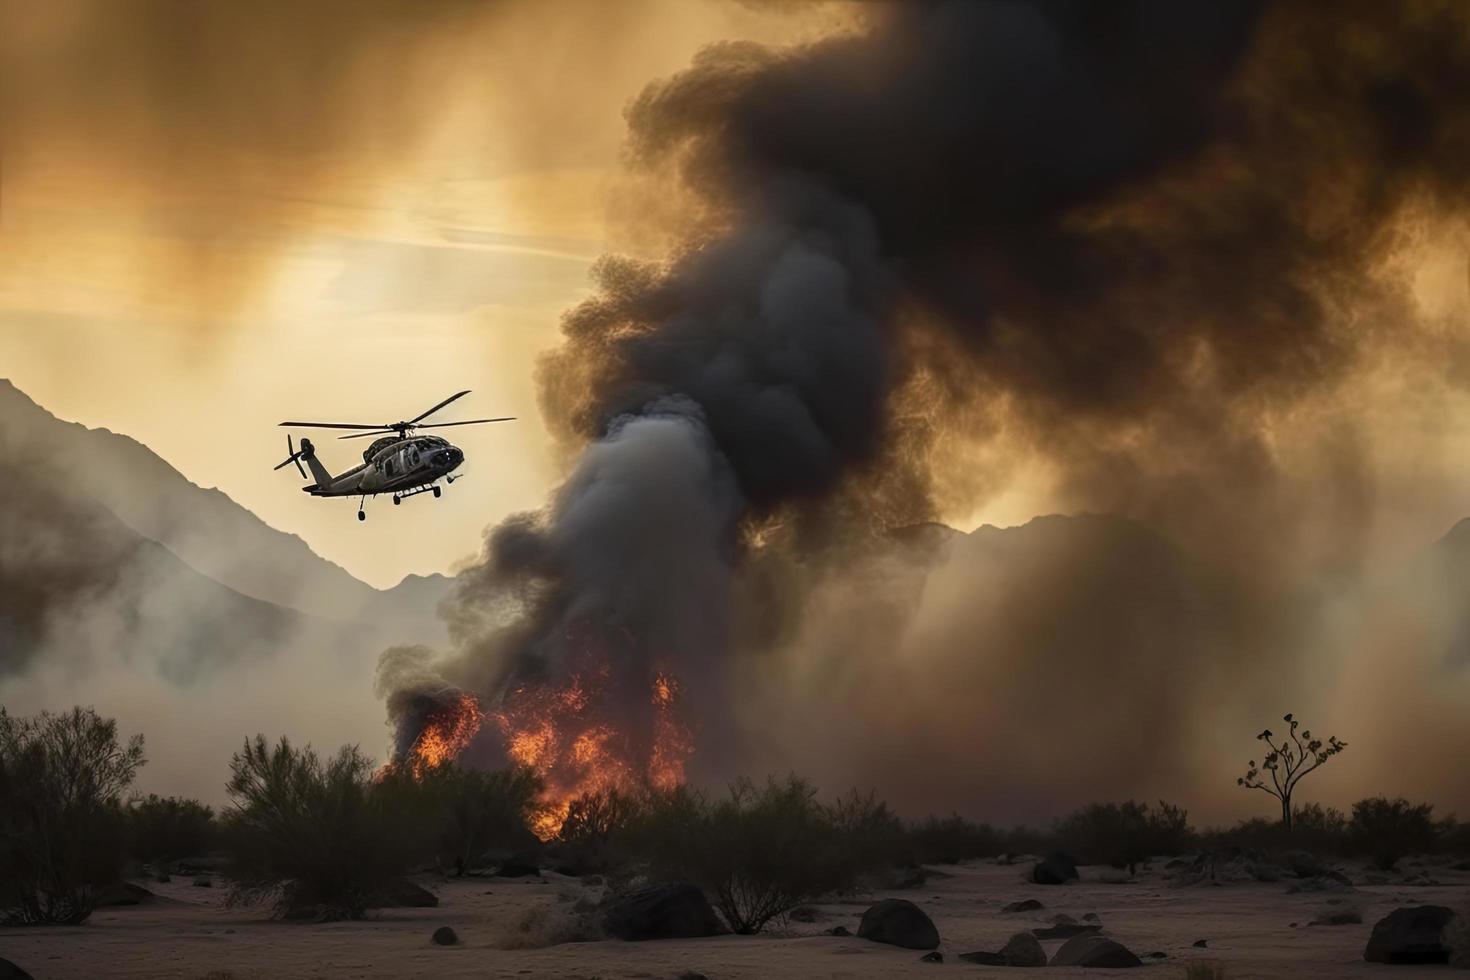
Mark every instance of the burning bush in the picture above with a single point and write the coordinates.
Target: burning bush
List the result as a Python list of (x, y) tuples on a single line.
[(62, 832), (164, 829), (1386, 830), (320, 840)]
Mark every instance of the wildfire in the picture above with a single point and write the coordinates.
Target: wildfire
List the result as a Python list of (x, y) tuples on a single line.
[(564, 733), (445, 735)]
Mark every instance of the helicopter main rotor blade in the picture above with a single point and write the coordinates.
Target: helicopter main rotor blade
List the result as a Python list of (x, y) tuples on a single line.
[(332, 425), (375, 432), (445, 425), (436, 408)]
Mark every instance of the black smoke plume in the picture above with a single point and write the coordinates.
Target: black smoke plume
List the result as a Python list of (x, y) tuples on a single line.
[(1132, 237)]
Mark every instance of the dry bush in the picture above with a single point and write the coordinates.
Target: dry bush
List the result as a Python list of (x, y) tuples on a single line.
[(1457, 938), (952, 839), (463, 813), (62, 831), (318, 839), (163, 830), (1386, 830), (549, 925), (1126, 834)]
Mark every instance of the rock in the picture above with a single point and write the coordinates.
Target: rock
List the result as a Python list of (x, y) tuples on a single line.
[(1022, 949), (1092, 917), (518, 868), (934, 957), (1201, 944), (445, 936), (1063, 919), (1094, 951), (124, 893), (1025, 905), (1414, 934), (1057, 868), (1065, 930), (676, 910), (9, 971), (1338, 917), (204, 881), (804, 913), (898, 922), (1156, 955), (839, 931), (405, 894)]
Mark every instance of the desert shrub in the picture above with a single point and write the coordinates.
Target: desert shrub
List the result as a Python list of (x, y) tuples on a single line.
[(758, 851), (1453, 837), (163, 829), (1385, 830), (952, 839), (1457, 938), (544, 925), (318, 839), (867, 834), (465, 812), (1123, 835), (62, 829), (593, 837), (1322, 830)]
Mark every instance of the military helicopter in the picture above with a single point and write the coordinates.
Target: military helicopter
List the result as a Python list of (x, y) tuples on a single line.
[(399, 463)]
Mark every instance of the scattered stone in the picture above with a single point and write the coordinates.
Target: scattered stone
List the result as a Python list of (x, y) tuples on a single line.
[(1022, 949), (1094, 951), (1410, 935), (1025, 905), (1156, 955), (1057, 868), (1338, 917), (405, 894), (839, 931), (934, 957), (203, 881), (1066, 930), (1291, 925), (1201, 944), (1063, 919), (804, 913), (1092, 917), (898, 922), (445, 936), (9, 971), (677, 910)]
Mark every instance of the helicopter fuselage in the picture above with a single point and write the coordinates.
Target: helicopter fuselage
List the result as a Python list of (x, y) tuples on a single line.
[(393, 465)]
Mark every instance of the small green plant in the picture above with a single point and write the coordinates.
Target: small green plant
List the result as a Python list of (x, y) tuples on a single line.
[(62, 829), (1290, 760)]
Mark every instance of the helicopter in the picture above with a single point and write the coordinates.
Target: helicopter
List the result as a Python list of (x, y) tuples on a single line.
[(399, 462)]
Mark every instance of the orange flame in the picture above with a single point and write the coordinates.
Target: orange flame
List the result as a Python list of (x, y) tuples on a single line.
[(559, 733), (449, 730)]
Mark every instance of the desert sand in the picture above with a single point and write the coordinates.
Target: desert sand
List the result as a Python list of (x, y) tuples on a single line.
[(188, 932)]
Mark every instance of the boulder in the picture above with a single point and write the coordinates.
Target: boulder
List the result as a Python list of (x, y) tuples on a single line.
[(9, 971), (839, 931), (675, 910), (1094, 951), (1023, 950), (518, 867), (1410, 935), (1057, 868), (445, 936), (898, 922), (1025, 905), (405, 894)]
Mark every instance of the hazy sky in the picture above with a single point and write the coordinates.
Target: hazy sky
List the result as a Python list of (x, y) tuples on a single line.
[(210, 223)]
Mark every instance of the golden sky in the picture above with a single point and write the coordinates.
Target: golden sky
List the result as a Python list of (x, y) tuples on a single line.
[(213, 220)]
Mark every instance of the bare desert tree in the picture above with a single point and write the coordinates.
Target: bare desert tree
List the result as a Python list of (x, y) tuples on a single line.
[(1287, 764)]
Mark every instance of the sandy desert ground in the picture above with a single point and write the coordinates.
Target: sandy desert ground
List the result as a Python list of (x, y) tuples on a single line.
[(1255, 930)]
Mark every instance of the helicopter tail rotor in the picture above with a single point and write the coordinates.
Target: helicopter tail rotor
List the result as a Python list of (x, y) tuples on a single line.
[(296, 455)]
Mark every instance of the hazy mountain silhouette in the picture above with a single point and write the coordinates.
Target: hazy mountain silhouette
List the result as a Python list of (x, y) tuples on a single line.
[(103, 544)]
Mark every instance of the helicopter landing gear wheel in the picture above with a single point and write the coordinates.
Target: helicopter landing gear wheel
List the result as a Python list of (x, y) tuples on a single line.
[(397, 501), (437, 492), (361, 516)]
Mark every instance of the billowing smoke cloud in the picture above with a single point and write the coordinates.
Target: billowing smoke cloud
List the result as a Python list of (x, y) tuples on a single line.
[(1143, 242)]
